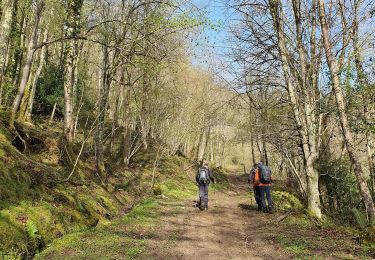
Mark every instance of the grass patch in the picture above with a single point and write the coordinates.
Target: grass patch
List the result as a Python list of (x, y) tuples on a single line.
[(183, 190), (299, 247), (173, 237), (143, 214), (300, 221)]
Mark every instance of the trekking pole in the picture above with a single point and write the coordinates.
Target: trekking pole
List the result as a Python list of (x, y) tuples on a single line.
[(197, 200), (252, 195)]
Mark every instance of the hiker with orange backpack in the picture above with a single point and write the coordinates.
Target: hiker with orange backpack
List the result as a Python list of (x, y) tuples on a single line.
[(263, 179), (256, 188)]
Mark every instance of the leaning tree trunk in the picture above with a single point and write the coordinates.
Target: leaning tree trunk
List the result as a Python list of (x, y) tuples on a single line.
[(346, 131), (202, 145), (28, 63), (363, 84)]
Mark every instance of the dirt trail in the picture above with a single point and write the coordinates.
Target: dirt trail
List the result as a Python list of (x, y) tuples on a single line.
[(230, 229)]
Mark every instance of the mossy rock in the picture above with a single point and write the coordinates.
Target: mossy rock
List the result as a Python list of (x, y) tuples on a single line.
[(286, 201)]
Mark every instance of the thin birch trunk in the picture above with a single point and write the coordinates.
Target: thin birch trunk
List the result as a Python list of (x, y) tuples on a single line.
[(52, 114)]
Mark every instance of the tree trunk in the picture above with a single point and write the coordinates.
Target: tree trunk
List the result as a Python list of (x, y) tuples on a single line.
[(265, 152), (73, 17), (68, 93), (5, 28), (103, 100), (346, 131), (202, 145), (211, 148), (42, 58), (28, 63), (305, 132)]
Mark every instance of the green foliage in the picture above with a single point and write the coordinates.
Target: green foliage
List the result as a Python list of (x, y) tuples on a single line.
[(50, 90), (33, 234), (360, 218), (340, 193)]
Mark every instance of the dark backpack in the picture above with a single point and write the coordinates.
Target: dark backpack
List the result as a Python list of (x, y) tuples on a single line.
[(265, 174), (203, 176)]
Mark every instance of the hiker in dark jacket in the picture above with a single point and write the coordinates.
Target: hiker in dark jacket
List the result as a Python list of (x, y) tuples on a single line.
[(203, 179), (263, 179), (256, 187)]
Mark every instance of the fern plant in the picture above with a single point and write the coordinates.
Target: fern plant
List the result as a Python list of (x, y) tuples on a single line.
[(31, 230)]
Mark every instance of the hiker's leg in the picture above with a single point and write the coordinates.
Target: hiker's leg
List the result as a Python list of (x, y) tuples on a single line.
[(258, 198), (255, 194), (262, 198), (269, 200), (201, 195), (206, 195)]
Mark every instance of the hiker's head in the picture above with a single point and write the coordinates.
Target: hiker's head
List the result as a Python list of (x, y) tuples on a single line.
[(255, 165), (205, 164), (261, 161)]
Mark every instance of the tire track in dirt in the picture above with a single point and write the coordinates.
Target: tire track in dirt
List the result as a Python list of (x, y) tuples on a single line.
[(230, 229)]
